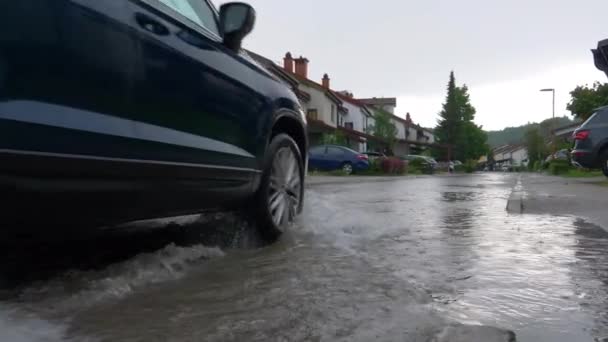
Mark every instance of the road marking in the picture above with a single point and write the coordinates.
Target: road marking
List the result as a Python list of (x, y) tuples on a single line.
[(515, 204)]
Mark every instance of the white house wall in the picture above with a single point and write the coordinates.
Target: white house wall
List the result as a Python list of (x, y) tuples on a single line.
[(320, 102), (518, 156), (400, 128), (356, 116)]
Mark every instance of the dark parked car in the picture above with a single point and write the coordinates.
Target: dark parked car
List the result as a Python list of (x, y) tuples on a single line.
[(372, 156), (332, 157), (562, 154), (112, 111), (429, 164), (591, 142)]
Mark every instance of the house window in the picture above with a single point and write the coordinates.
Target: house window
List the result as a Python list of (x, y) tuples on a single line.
[(349, 125), (333, 113), (312, 114)]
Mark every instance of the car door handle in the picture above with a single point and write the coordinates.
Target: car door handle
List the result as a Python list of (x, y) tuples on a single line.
[(151, 25)]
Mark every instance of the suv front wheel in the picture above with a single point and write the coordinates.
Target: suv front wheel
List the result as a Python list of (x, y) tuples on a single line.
[(281, 193)]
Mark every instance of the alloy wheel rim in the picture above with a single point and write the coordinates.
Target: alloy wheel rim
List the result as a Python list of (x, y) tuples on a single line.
[(285, 187), (347, 168)]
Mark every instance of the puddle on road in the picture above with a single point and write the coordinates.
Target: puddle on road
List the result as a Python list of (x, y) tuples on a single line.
[(386, 261)]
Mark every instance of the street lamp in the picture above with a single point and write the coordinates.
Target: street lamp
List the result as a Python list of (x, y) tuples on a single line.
[(552, 90)]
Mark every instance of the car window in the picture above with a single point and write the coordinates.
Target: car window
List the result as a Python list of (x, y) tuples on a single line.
[(197, 11), (318, 150), (335, 152), (602, 116), (591, 118)]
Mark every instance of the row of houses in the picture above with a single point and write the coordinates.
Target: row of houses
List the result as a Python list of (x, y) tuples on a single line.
[(330, 111), (510, 155), (517, 155)]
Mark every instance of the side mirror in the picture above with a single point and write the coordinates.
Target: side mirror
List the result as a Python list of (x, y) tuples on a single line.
[(236, 21)]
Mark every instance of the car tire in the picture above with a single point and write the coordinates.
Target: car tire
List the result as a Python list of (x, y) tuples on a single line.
[(280, 196), (604, 161), (347, 168)]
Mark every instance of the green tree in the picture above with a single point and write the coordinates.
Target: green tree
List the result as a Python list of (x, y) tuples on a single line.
[(456, 125), (476, 142), (336, 138), (447, 131), (535, 143), (585, 100), (384, 127)]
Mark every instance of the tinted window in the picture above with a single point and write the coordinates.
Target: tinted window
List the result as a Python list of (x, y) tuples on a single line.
[(335, 152), (602, 116), (197, 11), (318, 150)]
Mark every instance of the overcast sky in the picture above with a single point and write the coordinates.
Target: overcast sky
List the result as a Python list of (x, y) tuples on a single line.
[(504, 50)]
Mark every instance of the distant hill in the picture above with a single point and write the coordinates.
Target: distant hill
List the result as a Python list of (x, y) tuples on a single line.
[(515, 135)]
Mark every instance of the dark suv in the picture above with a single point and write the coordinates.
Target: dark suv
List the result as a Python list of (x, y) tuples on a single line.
[(591, 142), (112, 111)]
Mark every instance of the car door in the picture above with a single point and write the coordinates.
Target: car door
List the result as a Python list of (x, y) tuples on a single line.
[(196, 101), (316, 157), (335, 158), (61, 88)]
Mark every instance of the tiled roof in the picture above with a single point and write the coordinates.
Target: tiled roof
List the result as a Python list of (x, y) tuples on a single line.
[(332, 95), (380, 101), (280, 72), (507, 148), (353, 101), (568, 128)]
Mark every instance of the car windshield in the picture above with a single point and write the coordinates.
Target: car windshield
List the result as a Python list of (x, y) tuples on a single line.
[(272, 170)]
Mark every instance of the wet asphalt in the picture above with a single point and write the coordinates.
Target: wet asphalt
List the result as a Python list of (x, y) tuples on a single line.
[(433, 258)]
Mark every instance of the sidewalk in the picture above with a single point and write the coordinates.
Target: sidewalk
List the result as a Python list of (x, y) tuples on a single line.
[(582, 197)]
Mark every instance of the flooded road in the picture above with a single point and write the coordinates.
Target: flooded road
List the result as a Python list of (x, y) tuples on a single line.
[(410, 259)]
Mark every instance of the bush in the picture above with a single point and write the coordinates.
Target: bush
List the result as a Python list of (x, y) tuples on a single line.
[(459, 168), (420, 166), (375, 166), (418, 163), (534, 166), (470, 166), (558, 167), (392, 166)]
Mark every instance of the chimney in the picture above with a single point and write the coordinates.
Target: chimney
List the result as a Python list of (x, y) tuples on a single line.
[(288, 62), (408, 118), (325, 81), (302, 67)]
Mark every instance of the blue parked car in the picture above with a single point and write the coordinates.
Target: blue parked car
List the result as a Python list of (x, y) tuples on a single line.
[(332, 157)]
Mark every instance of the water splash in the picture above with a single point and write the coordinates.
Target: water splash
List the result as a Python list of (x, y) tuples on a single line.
[(77, 290)]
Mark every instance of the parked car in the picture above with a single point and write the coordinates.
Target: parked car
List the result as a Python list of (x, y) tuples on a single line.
[(333, 157), (429, 163), (432, 161), (559, 155), (113, 111), (591, 142), (372, 156)]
